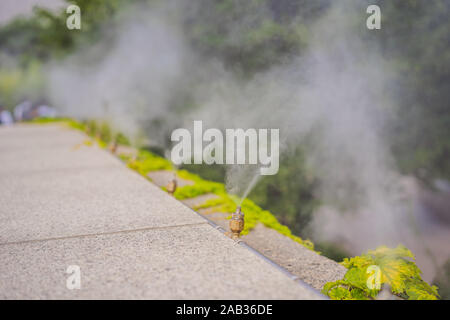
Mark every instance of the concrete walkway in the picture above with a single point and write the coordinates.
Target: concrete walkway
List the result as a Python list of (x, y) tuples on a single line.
[(63, 203)]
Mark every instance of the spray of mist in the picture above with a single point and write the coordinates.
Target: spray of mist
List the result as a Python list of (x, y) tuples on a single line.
[(128, 79), (336, 91)]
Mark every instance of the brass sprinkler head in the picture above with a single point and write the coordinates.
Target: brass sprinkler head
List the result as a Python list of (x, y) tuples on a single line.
[(237, 223), (113, 147), (172, 186)]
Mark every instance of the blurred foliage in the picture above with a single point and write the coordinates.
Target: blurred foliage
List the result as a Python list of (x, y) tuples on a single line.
[(247, 35), (147, 161), (415, 37), (20, 83), (45, 34), (42, 37), (252, 36)]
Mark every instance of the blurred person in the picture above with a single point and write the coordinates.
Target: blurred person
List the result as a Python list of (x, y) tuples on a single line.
[(5, 117), (44, 111), (21, 110)]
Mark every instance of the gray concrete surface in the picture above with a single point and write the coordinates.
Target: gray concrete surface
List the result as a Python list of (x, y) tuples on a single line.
[(63, 203), (199, 200)]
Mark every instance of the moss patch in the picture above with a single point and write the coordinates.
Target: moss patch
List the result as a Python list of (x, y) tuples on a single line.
[(146, 162), (199, 187)]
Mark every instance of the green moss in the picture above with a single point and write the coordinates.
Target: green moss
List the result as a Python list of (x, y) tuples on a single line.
[(101, 143), (192, 191), (65, 121), (105, 132), (44, 120), (91, 126), (222, 204), (147, 161), (125, 157), (76, 125), (88, 143), (199, 187), (73, 124)]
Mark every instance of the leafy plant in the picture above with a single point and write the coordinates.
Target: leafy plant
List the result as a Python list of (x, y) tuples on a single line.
[(397, 272)]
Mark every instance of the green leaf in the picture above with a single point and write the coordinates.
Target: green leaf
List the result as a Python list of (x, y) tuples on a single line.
[(358, 262), (357, 278), (396, 271), (340, 293)]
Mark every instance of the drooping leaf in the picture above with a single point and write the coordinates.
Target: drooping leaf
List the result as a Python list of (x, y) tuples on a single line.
[(396, 271)]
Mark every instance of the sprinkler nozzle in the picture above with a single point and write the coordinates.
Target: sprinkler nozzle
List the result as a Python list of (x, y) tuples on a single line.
[(172, 186), (113, 147), (237, 223)]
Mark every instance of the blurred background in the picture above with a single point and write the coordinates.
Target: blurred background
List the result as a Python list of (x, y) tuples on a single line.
[(364, 115)]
